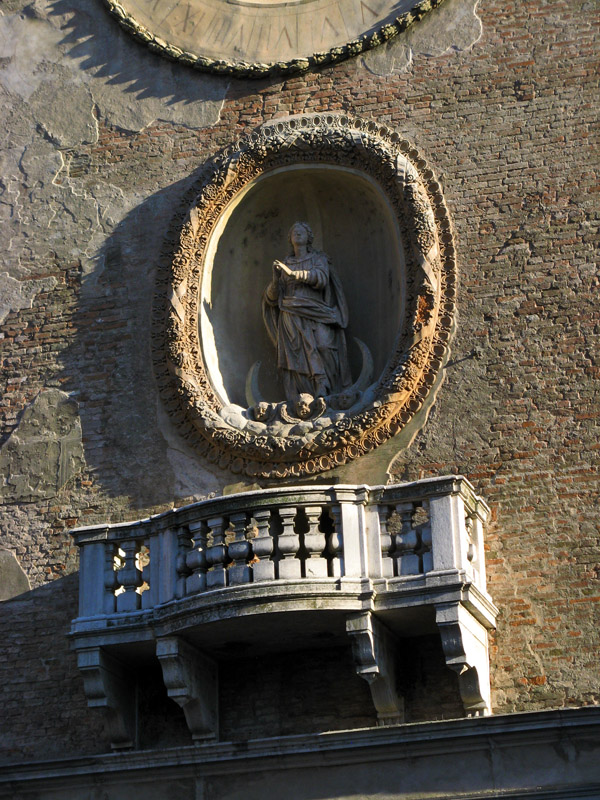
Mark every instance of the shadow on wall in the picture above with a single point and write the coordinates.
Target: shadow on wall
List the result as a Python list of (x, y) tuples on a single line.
[(44, 710), (45, 713), (94, 39), (129, 443)]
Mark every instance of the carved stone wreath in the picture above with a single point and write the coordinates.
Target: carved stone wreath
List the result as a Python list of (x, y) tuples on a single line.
[(399, 392), (156, 41)]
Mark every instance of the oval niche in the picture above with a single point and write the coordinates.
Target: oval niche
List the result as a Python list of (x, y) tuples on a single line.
[(377, 211), (352, 221)]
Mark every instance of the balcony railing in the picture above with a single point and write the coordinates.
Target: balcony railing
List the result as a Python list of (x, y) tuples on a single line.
[(370, 554)]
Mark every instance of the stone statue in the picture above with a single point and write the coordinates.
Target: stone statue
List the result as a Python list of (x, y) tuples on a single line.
[(305, 312)]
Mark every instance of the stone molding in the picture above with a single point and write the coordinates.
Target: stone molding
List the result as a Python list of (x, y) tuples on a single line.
[(245, 69), (553, 755), (421, 344)]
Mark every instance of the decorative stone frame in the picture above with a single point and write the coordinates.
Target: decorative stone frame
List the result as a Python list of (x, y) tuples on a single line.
[(430, 262), (245, 69)]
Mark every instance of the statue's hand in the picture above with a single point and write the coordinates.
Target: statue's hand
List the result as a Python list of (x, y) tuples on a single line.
[(276, 276), (278, 265)]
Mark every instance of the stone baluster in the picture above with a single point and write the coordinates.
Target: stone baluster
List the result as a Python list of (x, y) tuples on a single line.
[(216, 555), (407, 560), (151, 572), (111, 580), (239, 550), (472, 554), (314, 541), (288, 543), (426, 546), (335, 544), (195, 558), (385, 538), (184, 544), (145, 564), (262, 545), (129, 577)]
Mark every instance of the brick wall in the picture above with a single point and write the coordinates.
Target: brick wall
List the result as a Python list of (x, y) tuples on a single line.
[(508, 126)]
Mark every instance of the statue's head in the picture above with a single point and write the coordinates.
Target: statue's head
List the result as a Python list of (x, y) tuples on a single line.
[(345, 399), (262, 411), (301, 233), (303, 405)]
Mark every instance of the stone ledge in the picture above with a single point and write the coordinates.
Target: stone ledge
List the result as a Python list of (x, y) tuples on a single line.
[(544, 754)]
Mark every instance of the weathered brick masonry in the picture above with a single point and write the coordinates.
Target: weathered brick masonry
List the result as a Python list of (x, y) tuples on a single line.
[(510, 128)]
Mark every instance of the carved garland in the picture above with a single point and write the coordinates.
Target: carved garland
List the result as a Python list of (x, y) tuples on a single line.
[(401, 389), (245, 69)]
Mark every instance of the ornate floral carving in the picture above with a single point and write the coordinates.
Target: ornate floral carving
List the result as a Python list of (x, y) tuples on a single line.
[(249, 442)]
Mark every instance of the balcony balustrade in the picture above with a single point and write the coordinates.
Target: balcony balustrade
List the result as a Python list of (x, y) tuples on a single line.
[(273, 566)]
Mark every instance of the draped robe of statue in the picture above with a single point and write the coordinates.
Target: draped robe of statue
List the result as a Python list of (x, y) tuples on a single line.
[(305, 315)]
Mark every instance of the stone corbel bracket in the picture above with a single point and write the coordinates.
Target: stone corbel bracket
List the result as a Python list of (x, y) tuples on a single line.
[(107, 686), (464, 623), (191, 679), (465, 645), (374, 651)]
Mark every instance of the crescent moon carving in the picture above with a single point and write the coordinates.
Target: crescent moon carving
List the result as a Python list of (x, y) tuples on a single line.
[(366, 372), (254, 396)]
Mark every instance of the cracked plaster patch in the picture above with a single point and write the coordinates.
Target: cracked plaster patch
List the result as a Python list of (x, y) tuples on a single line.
[(13, 580), (15, 294), (63, 64), (44, 452), (454, 25), (45, 212), (72, 54)]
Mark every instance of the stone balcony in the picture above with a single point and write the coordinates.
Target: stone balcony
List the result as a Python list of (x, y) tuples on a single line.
[(284, 569)]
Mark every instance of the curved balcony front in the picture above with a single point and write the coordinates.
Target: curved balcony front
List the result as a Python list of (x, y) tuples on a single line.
[(288, 567)]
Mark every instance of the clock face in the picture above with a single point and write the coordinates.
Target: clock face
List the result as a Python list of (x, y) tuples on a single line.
[(254, 37)]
